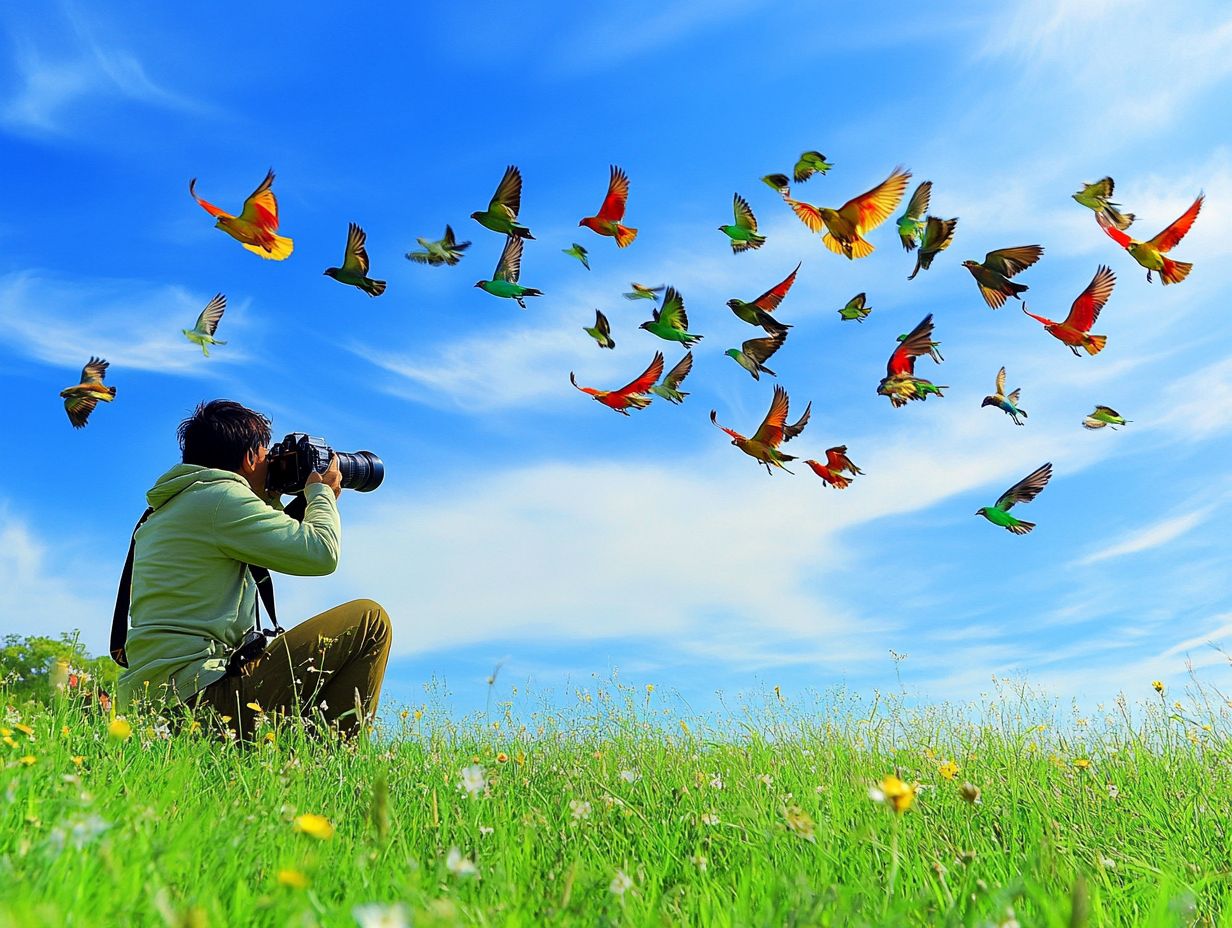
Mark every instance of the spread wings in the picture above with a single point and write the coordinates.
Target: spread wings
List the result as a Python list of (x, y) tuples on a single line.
[(672, 313), (917, 342), (871, 209), (261, 209), (1027, 488), (1170, 237), (646, 379), (770, 300), (509, 267), (613, 208), (356, 258), (508, 192), (1009, 261), (207, 322), (675, 377), (1085, 311)]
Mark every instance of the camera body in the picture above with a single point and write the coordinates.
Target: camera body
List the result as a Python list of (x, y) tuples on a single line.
[(299, 454)]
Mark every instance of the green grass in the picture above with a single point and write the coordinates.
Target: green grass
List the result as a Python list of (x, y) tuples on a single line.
[(760, 817)]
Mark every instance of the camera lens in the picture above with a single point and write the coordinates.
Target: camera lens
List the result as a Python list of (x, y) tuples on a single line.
[(362, 471)]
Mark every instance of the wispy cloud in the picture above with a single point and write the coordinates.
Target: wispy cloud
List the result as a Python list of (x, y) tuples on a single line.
[(1151, 536)]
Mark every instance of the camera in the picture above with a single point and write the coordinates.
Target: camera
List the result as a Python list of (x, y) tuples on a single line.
[(252, 647), (298, 455)]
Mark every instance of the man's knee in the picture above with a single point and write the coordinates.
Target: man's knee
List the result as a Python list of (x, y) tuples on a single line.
[(375, 620)]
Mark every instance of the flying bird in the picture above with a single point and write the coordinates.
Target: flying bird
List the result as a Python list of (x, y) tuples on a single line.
[(504, 282), (1097, 197), (80, 400), (577, 251), (642, 292), (757, 312), (911, 222), (938, 233), (607, 222), (855, 309), (1104, 416), (900, 383), (669, 388), (256, 226), (994, 273), (207, 324), (846, 226), (670, 321), (447, 250), (743, 233), (632, 394), (601, 332), (502, 212), (752, 354), (933, 349), (1152, 254), (779, 183), (1023, 491), (1075, 331), (810, 163), (1007, 403), (772, 432), (354, 270), (832, 471)]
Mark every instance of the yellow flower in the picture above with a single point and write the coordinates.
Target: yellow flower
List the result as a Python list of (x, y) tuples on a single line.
[(255, 707), (5, 732), (269, 737), (1082, 763), (8, 739), (649, 688), (405, 712), (78, 759), (894, 792), (684, 726), (502, 758), (1158, 686), (948, 769), (418, 714), (800, 822), (25, 730), (120, 730), (28, 760), (316, 826), (292, 878), (520, 758), (195, 726), (63, 731)]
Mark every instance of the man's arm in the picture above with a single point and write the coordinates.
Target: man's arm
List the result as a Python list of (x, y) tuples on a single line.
[(249, 530)]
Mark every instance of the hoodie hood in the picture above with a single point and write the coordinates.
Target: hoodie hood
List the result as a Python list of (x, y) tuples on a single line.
[(183, 476)]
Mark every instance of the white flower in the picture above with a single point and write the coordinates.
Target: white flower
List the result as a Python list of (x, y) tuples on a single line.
[(374, 915), (620, 883), (710, 818), (699, 861), (766, 779), (630, 776), (473, 780), (1107, 863), (580, 809), (716, 781), (459, 865), (1113, 792), (484, 830)]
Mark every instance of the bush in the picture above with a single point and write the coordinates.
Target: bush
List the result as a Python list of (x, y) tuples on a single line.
[(26, 662)]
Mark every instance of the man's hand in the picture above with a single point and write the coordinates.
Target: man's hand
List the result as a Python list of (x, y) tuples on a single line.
[(332, 477)]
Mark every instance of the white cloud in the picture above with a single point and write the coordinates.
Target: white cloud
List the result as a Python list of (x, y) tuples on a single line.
[(1151, 536)]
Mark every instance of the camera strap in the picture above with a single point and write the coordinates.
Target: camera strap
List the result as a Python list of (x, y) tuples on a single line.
[(119, 618), (265, 593)]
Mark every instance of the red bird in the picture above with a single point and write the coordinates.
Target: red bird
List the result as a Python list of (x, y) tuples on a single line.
[(1075, 331), (832, 471), (631, 394), (1151, 253), (613, 210)]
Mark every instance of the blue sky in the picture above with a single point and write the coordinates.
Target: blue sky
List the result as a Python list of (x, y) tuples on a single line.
[(520, 520)]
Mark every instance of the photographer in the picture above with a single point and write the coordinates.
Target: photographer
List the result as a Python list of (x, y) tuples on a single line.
[(212, 525)]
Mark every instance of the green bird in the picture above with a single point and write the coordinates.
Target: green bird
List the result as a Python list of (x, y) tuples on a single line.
[(743, 234), (642, 292), (1096, 196), (354, 270), (504, 282), (207, 324), (933, 347), (752, 354), (757, 312), (938, 233), (447, 250), (670, 321), (911, 222), (1023, 491), (602, 331), (668, 388), (994, 272), (810, 163), (780, 183), (1007, 403), (577, 251), (855, 309), (502, 212), (1102, 416)]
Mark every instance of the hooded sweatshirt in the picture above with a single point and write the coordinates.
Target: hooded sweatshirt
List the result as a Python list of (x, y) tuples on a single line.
[(193, 598)]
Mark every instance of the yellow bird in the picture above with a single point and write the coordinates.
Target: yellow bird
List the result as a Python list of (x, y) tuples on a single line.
[(80, 400)]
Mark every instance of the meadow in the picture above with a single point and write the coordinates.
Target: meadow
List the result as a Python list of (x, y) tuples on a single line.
[(626, 808)]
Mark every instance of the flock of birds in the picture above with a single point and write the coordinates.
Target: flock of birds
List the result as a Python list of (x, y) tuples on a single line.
[(843, 230)]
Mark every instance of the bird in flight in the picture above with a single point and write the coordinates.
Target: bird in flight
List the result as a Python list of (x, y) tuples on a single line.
[(772, 432), (80, 399), (632, 394), (1075, 331), (354, 270), (1023, 491), (1153, 253), (256, 227), (207, 324)]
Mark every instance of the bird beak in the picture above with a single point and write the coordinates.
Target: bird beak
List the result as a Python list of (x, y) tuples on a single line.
[(479, 283)]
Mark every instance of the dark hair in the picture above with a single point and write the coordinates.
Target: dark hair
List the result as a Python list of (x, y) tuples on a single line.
[(220, 433)]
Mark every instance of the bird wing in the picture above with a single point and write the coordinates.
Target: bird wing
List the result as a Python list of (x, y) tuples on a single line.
[(1167, 239), (938, 234), (675, 377), (509, 267), (1013, 397), (791, 431), (856, 302), (744, 213), (836, 458), (1107, 411), (770, 300), (807, 213), (646, 379), (602, 324), (79, 409), (917, 342), (734, 434), (672, 313), (449, 241), (1085, 311), (206, 204), (94, 371), (1117, 235), (1009, 261), (261, 208), (355, 259), (871, 209), (1001, 382), (1027, 488), (207, 322), (1101, 189), (770, 432), (613, 208), (508, 192), (806, 166), (917, 206), (759, 349)]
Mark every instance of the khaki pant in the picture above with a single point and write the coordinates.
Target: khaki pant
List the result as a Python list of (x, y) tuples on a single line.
[(333, 662)]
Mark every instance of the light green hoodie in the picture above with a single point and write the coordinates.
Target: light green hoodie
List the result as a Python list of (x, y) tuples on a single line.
[(192, 597)]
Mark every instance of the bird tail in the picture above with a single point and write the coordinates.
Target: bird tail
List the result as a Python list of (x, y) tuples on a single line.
[(839, 482), (1094, 344), (522, 232), (624, 236), (691, 340), (1174, 272), (1119, 219), (860, 248), (1021, 528), (771, 325), (531, 291), (108, 399), (279, 251), (374, 287), (1015, 289)]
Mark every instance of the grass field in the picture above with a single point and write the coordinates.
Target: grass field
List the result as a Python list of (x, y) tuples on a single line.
[(620, 810)]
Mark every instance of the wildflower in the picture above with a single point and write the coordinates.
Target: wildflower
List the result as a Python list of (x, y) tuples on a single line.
[(948, 769), (684, 726), (316, 826), (1177, 706), (800, 822), (473, 780), (709, 818), (766, 780), (621, 883), (120, 729), (502, 758), (25, 729), (1107, 863), (580, 809), (700, 862), (64, 731), (78, 759), (716, 781), (649, 688), (520, 758), (1082, 763), (970, 793), (1158, 686), (292, 878), (78, 831), (894, 793), (459, 865), (485, 830), (418, 714), (255, 707), (1113, 791), (630, 776), (374, 915), (269, 737), (405, 712), (28, 760)]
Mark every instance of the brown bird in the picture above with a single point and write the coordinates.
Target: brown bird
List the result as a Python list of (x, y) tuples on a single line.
[(994, 273), (772, 432), (80, 400)]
